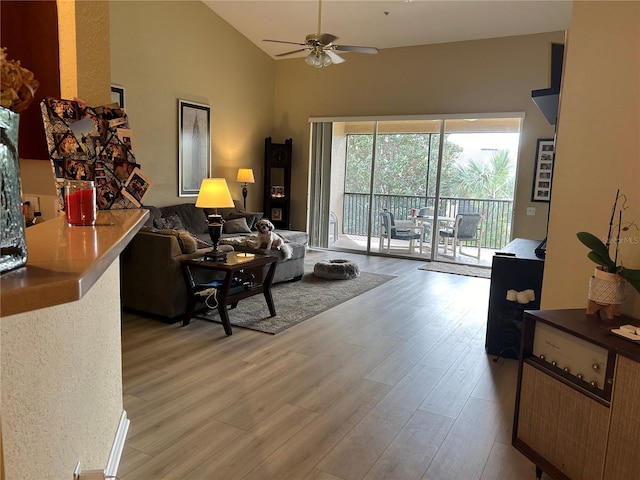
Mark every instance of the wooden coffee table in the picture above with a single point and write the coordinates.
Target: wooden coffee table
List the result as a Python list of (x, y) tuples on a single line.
[(235, 263)]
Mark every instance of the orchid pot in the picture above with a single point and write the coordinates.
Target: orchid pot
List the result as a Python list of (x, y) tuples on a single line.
[(606, 288)]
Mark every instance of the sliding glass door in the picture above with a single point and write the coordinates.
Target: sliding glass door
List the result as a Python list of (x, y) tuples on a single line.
[(398, 170)]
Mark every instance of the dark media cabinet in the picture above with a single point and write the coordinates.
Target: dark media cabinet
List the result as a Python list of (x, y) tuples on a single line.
[(517, 269)]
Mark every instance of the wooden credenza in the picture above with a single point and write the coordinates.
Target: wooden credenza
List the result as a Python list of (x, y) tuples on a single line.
[(577, 413)]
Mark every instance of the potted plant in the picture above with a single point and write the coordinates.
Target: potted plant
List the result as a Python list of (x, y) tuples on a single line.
[(607, 286)]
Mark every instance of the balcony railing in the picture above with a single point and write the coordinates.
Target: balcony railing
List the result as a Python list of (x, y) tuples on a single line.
[(497, 224)]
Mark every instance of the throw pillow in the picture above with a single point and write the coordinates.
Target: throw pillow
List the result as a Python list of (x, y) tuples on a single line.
[(202, 243), (251, 217), (236, 225), (172, 222), (187, 242)]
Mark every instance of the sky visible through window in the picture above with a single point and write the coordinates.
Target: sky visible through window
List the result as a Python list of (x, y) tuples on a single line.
[(482, 145)]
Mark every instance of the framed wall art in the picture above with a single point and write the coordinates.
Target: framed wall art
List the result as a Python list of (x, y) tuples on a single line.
[(194, 138), (117, 95), (276, 214), (543, 175)]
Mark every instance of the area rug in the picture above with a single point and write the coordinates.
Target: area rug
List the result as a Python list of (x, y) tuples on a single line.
[(297, 301), (457, 269)]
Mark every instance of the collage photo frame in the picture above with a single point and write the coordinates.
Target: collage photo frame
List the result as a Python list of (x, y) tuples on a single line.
[(94, 143)]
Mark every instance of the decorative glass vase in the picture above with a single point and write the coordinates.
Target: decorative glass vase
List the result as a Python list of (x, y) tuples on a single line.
[(13, 245)]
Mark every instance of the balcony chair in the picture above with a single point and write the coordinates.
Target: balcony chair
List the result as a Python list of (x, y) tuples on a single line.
[(425, 217), (405, 231), (467, 227), (333, 227)]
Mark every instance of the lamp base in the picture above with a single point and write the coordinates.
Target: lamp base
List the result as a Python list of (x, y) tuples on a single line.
[(216, 256), (215, 229)]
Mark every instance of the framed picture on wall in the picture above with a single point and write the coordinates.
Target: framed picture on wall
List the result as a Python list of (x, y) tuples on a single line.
[(194, 144), (117, 95), (276, 214), (543, 173)]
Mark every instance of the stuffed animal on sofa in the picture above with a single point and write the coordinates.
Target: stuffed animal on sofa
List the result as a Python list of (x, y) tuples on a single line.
[(269, 239)]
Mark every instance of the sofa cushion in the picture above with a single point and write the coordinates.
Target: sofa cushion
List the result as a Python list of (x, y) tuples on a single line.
[(172, 222), (294, 236), (236, 225), (225, 212), (192, 217), (188, 243), (154, 213)]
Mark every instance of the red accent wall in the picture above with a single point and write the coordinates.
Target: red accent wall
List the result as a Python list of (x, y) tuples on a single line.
[(29, 31)]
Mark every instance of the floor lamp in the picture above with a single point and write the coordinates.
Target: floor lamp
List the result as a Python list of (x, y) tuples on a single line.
[(245, 176)]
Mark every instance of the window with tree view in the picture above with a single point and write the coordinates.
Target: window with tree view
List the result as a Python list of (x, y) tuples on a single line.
[(473, 171)]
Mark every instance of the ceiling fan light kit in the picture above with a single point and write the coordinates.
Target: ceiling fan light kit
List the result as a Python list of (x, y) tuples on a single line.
[(322, 51), (318, 60)]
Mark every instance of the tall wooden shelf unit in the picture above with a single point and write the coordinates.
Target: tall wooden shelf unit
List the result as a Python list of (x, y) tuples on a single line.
[(577, 414), (277, 182)]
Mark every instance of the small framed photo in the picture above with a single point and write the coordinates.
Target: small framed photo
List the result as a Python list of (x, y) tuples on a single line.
[(117, 95), (194, 143), (136, 187), (276, 214), (543, 174)]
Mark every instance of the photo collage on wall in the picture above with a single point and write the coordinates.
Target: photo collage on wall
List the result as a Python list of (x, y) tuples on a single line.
[(94, 143)]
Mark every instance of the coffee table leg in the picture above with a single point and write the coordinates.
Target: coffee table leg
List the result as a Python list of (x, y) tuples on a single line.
[(267, 289), (224, 316), (222, 303), (191, 301)]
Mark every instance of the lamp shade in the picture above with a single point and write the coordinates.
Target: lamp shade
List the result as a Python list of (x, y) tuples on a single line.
[(245, 175), (214, 193)]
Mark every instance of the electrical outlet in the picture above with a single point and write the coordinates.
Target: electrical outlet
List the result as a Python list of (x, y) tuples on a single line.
[(531, 211)]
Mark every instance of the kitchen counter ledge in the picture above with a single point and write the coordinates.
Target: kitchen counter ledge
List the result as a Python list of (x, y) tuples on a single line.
[(63, 262)]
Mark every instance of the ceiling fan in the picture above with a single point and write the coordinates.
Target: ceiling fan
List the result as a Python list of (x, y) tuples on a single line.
[(322, 51)]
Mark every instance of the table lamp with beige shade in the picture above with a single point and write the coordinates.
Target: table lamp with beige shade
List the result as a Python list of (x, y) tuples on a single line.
[(214, 193)]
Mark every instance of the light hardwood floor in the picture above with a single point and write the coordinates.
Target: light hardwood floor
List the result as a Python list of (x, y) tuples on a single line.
[(393, 384)]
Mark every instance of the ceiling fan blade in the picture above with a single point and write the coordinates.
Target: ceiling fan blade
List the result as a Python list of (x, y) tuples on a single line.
[(350, 48), (292, 52), (335, 58), (283, 41)]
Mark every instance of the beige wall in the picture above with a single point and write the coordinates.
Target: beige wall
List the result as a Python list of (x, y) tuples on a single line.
[(62, 384), (165, 51), (495, 75), (598, 148)]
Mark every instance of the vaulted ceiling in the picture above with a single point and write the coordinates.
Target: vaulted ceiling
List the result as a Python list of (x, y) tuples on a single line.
[(389, 24)]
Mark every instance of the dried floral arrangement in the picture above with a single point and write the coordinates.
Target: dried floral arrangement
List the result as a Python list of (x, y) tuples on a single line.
[(18, 84)]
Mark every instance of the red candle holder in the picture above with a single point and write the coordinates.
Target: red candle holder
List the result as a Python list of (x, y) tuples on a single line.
[(80, 202)]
